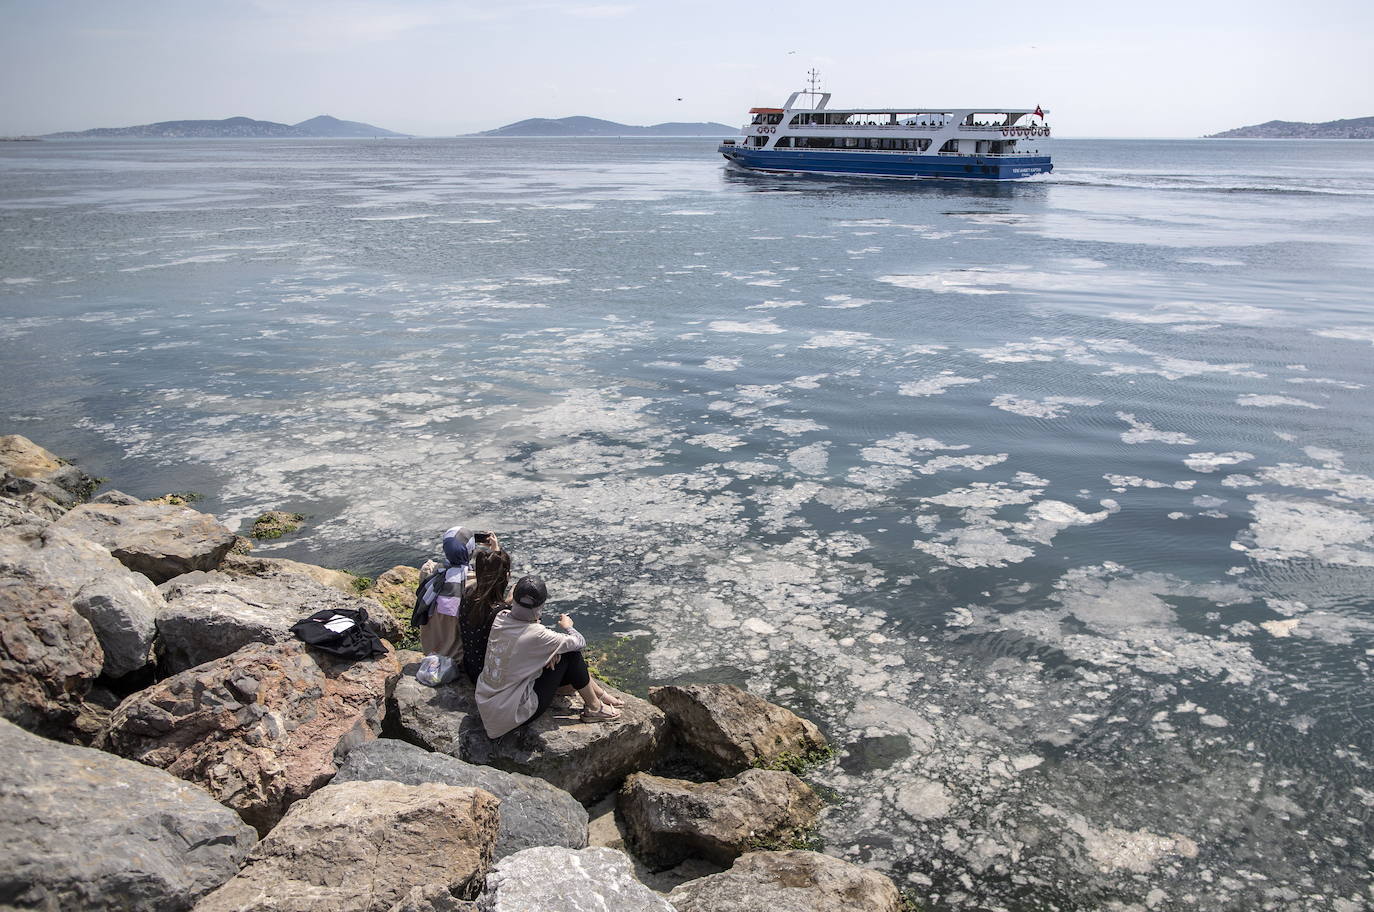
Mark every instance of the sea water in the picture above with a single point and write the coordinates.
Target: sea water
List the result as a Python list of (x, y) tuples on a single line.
[(1052, 501)]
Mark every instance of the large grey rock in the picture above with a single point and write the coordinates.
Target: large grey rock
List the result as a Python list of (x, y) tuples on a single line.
[(726, 730), (49, 657), (793, 881), (29, 473), (120, 605), (555, 879), (113, 496), (586, 759), (669, 820), (209, 615), (533, 812), (158, 540), (258, 729), (363, 847), (27, 509), (82, 829), (253, 565)]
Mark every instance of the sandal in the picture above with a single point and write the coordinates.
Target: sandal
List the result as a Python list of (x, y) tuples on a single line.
[(611, 700), (605, 714)]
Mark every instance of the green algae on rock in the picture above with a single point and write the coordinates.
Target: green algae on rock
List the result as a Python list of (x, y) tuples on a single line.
[(276, 523)]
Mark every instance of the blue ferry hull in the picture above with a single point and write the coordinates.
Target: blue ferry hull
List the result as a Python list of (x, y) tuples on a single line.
[(883, 164)]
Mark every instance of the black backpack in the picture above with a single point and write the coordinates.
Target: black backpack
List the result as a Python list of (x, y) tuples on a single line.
[(342, 631)]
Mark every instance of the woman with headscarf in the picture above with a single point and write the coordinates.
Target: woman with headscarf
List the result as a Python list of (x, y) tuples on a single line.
[(448, 584), (527, 664)]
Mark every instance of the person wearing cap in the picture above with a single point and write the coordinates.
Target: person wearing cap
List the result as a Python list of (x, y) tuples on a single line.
[(448, 582), (527, 664)]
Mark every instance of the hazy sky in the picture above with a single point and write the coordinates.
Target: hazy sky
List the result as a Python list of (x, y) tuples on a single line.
[(1104, 68)]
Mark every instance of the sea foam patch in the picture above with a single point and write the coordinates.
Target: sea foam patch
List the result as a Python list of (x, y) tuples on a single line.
[(989, 538), (1285, 528), (1145, 432), (1257, 400), (936, 385), (751, 327), (1212, 462), (1049, 407), (1180, 313)]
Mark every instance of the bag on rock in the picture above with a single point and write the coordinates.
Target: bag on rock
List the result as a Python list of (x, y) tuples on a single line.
[(342, 631), (435, 670)]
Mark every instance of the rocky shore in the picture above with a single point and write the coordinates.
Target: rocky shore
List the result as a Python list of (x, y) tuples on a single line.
[(172, 746)]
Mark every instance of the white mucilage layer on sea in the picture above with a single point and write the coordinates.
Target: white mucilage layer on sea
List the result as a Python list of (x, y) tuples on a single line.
[(719, 574), (906, 462)]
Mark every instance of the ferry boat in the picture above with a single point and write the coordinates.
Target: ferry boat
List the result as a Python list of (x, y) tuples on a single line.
[(906, 143)]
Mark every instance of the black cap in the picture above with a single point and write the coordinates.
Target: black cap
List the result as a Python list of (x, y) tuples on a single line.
[(530, 592)]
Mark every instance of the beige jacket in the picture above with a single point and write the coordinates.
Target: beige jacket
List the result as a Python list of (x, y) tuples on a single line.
[(517, 651)]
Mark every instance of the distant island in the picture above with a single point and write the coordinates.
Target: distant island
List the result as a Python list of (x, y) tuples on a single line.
[(1355, 128), (592, 126), (322, 126)]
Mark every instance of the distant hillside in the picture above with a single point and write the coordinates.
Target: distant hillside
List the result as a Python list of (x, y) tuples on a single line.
[(322, 126), (592, 126), (1356, 128)]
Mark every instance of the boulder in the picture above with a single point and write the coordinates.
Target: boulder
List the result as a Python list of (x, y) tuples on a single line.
[(27, 509), (726, 730), (276, 523), (209, 615), (119, 498), (586, 759), (669, 820), (83, 829), (121, 606), (258, 729), (533, 812), (49, 657), (434, 898), (158, 540), (555, 879), (27, 469), (394, 590), (252, 565), (363, 847), (793, 881)]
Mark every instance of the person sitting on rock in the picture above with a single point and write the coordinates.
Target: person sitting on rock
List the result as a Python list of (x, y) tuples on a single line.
[(491, 569), (440, 635), (527, 664)]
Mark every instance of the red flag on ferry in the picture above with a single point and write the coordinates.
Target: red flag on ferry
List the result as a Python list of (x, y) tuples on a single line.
[(1039, 113)]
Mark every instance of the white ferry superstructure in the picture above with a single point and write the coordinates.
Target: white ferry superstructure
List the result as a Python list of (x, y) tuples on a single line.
[(913, 142)]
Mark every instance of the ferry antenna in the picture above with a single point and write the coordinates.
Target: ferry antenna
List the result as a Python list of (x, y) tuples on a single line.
[(813, 78)]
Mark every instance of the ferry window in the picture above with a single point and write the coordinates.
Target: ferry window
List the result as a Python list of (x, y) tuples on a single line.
[(783, 143)]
